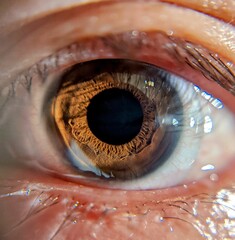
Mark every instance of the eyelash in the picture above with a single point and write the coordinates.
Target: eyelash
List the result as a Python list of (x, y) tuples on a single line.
[(209, 64), (188, 209), (175, 50)]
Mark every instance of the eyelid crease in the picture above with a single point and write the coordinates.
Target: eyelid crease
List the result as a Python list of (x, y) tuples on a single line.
[(211, 32), (213, 8), (224, 10), (32, 10)]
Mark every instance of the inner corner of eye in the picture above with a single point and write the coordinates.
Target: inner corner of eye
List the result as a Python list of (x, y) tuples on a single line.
[(131, 123)]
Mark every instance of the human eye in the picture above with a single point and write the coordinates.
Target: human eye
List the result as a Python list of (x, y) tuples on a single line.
[(202, 209)]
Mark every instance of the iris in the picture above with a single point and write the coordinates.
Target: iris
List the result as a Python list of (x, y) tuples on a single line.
[(118, 116)]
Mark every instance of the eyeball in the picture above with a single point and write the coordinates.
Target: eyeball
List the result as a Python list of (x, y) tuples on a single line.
[(136, 126)]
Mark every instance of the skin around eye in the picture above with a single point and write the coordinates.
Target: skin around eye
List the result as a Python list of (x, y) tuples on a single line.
[(220, 40), (219, 9), (34, 204)]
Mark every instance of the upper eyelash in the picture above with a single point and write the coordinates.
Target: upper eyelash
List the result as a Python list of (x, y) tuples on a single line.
[(200, 59), (197, 57), (209, 64)]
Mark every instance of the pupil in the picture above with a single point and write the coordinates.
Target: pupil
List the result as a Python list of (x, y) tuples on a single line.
[(115, 116)]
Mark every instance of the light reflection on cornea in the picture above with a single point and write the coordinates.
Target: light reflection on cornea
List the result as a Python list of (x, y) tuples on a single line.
[(214, 101), (192, 122), (208, 125), (149, 83), (175, 122), (217, 104), (208, 167)]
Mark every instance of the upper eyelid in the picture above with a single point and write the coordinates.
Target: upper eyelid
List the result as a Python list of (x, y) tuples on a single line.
[(31, 10), (223, 32), (210, 65), (226, 7), (223, 10)]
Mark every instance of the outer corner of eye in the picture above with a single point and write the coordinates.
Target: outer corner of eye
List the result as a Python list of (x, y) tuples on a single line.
[(131, 129)]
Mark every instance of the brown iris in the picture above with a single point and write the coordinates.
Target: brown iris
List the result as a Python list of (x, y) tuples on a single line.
[(113, 116)]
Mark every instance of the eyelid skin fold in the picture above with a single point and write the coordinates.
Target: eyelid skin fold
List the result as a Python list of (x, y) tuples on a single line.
[(224, 10), (154, 47), (219, 39)]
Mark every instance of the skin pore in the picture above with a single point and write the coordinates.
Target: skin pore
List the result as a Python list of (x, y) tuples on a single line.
[(37, 205)]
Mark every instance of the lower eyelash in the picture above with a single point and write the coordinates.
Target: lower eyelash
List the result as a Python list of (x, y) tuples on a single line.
[(168, 214)]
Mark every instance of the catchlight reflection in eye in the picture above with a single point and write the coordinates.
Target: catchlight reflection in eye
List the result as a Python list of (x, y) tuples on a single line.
[(134, 125)]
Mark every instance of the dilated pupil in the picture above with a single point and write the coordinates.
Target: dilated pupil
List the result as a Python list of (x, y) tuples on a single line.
[(115, 116)]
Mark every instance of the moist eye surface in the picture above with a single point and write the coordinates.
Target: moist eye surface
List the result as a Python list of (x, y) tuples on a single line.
[(112, 115)]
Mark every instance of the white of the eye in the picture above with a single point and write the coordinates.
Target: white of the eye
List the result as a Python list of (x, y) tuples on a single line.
[(202, 117), (202, 122), (184, 156), (196, 123), (211, 129)]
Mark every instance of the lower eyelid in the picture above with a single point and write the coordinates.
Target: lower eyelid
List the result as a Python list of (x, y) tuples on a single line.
[(43, 181), (69, 205)]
